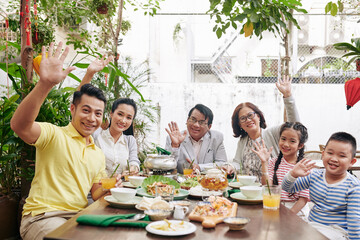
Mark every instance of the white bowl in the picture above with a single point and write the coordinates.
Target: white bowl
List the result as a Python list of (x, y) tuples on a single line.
[(251, 191), (136, 180), (246, 180), (123, 194)]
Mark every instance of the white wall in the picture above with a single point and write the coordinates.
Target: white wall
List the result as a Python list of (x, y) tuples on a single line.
[(322, 108)]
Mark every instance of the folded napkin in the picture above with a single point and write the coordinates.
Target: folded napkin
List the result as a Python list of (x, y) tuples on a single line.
[(231, 191), (110, 220)]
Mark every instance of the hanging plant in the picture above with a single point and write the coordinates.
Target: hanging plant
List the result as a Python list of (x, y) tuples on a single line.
[(101, 6), (45, 34)]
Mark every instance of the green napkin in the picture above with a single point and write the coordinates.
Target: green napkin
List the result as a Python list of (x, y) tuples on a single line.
[(162, 151), (231, 191), (110, 220)]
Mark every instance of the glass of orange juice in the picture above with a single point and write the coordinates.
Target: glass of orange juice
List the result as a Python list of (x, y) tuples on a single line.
[(108, 183), (271, 197), (186, 168)]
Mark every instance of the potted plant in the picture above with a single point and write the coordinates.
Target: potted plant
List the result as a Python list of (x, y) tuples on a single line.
[(352, 49), (101, 6), (10, 148)]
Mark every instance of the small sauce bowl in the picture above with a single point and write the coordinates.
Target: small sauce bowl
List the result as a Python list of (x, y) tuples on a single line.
[(236, 223)]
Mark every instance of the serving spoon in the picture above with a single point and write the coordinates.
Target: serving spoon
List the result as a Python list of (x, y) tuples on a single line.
[(134, 218)]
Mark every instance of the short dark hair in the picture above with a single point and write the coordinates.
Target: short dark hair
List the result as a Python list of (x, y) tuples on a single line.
[(345, 138), (127, 101), (235, 122), (204, 110), (89, 90)]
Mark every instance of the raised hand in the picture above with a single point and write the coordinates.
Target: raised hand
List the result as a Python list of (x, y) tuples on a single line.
[(302, 168), (284, 86), (261, 151), (175, 135), (98, 64), (51, 67)]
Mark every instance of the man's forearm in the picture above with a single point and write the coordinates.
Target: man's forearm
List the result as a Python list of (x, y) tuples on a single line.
[(86, 79), (25, 115)]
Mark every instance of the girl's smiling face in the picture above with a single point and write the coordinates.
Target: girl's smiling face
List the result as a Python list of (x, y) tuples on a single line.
[(289, 144)]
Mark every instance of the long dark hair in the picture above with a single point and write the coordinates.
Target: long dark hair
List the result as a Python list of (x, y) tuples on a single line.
[(128, 101), (303, 136)]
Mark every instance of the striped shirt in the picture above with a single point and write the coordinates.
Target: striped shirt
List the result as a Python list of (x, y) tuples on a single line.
[(282, 170), (335, 204)]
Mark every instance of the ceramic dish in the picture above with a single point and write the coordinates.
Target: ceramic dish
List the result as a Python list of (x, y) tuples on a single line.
[(157, 214), (185, 229), (128, 185), (240, 198), (115, 203), (181, 195), (238, 184), (236, 223)]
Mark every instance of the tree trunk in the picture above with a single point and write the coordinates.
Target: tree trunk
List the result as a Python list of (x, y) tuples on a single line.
[(117, 87), (26, 42)]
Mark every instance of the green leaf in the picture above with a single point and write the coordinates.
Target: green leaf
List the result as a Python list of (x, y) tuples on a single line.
[(218, 33), (158, 178), (81, 65), (74, 77), (328, 7), (341, 6), (334, 9), (254, 18)]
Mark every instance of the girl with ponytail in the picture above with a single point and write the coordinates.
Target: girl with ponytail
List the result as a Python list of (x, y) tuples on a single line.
[(293, 136)]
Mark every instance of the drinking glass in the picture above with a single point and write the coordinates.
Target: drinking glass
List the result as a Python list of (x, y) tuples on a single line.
[(187, 170), (271, 197), (166, 192), (108, 183)]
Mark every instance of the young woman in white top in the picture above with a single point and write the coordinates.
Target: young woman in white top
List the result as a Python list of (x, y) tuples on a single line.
[(117, 141)]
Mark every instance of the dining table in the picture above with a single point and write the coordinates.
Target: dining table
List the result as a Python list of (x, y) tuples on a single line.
[(264, 224)]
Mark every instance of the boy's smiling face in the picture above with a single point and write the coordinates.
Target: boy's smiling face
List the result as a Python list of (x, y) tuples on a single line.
[(337, 158)]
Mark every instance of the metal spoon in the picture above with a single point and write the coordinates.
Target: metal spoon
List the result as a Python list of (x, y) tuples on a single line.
[(133, 219), (137, 217)]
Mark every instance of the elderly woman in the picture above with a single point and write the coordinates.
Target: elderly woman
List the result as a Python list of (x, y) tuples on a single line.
[(248, 123)]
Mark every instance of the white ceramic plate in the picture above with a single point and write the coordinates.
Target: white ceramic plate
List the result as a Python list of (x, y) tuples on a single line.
[(181, 195), (187, 229), (128, 185), (239, 197), (238, 184), (115, 203)]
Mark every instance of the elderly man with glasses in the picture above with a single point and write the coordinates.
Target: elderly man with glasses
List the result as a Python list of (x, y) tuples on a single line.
[(198, 145)]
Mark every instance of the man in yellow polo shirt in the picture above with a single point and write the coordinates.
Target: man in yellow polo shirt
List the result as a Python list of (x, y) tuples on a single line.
[(68, 164)]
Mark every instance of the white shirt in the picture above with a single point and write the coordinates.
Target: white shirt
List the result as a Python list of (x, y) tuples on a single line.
[(196, 146), (115, 153)]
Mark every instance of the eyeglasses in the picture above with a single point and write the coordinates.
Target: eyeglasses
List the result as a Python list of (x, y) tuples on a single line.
[(249, 116), (193, 120)]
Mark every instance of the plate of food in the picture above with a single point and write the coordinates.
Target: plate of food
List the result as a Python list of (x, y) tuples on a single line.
[(241, 198), (129, 204), (213, 211), (171, 228), (150, 184), (179, 195), (199, 192), (238, 184)]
